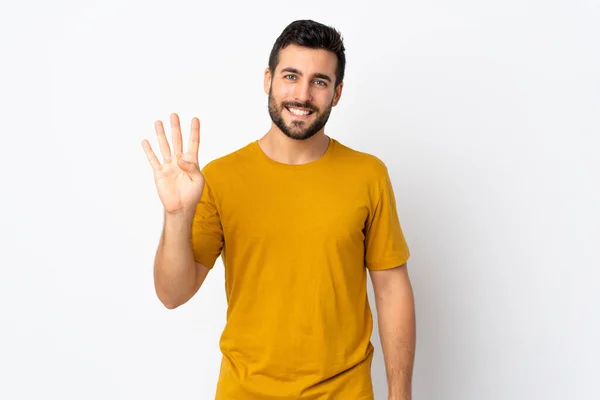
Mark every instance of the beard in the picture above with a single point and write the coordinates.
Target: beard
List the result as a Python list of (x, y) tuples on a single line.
[(297, 129)]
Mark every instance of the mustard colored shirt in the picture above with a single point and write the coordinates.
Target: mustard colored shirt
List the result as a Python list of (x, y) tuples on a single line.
[(296, 242)]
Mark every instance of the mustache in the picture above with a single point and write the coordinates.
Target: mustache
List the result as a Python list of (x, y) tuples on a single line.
[(296, 104)]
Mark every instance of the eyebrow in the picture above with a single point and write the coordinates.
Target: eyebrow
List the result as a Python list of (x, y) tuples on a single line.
[(317, 75)]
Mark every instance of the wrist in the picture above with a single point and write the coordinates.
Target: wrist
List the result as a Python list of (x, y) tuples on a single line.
[(404, 395), (179, 222), (181, 215)]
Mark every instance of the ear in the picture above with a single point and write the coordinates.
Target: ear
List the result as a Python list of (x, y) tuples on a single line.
[(268, 78), (337, 94)]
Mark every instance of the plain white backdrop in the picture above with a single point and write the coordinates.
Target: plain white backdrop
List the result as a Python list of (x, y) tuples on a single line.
[(486, 113)]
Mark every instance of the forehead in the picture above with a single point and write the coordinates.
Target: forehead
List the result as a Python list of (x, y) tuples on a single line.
[(307, 60)]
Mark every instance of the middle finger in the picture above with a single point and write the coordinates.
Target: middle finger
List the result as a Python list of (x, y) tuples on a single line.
[(176, 133)]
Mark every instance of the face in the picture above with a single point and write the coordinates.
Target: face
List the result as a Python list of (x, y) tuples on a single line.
[(302, 90)]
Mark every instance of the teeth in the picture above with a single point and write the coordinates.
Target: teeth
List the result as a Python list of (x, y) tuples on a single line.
[(295, 111)]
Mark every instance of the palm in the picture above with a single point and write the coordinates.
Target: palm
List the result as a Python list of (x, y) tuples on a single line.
[(179, 185)]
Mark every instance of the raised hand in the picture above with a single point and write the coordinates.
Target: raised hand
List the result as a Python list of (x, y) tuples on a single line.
[(178, 179)]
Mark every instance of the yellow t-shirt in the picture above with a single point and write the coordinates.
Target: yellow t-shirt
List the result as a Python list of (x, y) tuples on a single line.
[(296, 242)]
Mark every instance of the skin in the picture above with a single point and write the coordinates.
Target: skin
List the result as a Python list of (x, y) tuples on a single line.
[(395, 304), (304, 78), (179, 182)]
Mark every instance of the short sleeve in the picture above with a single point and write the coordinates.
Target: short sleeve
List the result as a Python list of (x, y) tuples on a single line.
[(207, 231), (385, 245)]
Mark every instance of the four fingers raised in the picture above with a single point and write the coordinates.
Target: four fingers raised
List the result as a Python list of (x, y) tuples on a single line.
[(165, 149)]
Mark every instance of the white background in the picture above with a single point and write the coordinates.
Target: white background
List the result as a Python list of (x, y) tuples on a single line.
[(486, 113)]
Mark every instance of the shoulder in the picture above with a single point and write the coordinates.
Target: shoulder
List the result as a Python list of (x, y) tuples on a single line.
[(228, 163), (362, 163)]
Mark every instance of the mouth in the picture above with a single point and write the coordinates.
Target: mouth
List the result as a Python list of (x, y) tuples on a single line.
[(301, 113)]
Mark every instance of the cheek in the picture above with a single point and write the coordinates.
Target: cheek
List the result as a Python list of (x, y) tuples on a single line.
[(282, 90), (285, 94), (324, 101)]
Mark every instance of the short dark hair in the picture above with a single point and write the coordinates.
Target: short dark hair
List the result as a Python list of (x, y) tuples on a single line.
[(313, 35)]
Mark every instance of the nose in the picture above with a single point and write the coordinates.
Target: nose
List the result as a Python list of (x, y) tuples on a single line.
[(302, 92)]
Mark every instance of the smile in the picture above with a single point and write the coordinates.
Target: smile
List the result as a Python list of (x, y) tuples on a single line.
[(297, 112)]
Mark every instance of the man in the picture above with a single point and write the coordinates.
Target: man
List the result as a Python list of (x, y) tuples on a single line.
[(298, 218)]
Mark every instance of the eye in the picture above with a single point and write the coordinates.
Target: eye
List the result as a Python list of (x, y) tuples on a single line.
[(321, 83), (289, 77)]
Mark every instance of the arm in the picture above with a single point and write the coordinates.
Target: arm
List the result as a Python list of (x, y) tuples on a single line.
[(177, 277), (180, 185), (397, 328)]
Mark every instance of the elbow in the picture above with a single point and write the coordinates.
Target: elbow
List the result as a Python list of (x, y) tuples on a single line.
[(168, 301), (171, 305)]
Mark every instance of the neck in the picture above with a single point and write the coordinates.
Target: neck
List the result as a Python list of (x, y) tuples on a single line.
[(277, 146)]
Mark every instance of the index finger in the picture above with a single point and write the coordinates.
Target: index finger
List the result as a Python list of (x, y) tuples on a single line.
[(194, 144)]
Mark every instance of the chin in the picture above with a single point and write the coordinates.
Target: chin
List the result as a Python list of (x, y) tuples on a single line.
[(299, 135)]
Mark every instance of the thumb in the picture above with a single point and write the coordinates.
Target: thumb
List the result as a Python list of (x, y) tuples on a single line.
[(191, 168)]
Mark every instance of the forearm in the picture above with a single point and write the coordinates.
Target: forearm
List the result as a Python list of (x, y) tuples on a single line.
[(174, 266), (397, 331)]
